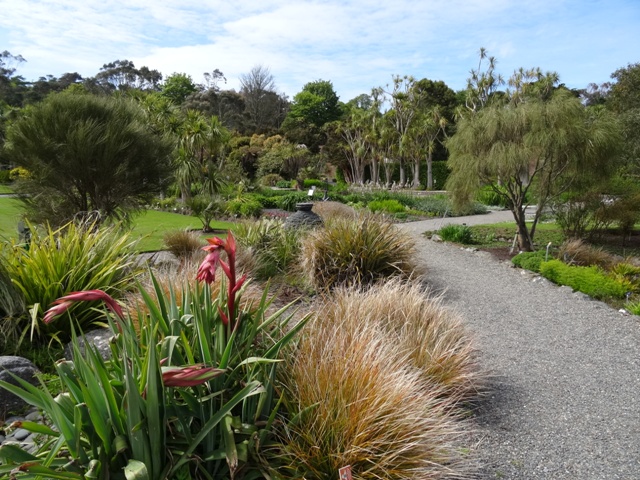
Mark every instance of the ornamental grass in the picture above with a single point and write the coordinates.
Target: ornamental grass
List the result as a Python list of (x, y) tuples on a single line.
[(357, 251), (375, 384)]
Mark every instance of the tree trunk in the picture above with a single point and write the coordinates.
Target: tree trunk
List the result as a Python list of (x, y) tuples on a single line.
[(430, 171), (403, 176), (416, 173), (524, 239)]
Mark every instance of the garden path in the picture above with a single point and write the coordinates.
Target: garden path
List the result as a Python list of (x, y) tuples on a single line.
[(564, 387)]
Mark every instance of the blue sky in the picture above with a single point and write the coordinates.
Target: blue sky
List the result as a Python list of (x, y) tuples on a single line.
[(357, 44)]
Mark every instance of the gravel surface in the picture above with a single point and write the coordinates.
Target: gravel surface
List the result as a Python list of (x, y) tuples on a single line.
[(564, 387)]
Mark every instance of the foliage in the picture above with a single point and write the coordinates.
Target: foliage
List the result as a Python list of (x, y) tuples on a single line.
[(535, 140), (206, 208), (577, 252), (270, 180), (581, 215), (589, 280), (388, 206), (183, 243), (288, 202), (177, 87), (11, 302), (86, 153), (191, 395), (69, 259), (357, 251), (376, 412), (244, 207), (488, 195), (272, 249), (456, 233), (530, 260)]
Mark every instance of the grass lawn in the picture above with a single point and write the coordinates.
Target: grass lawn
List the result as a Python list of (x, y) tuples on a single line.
[(10, 212), (149, 226), (5, 189)]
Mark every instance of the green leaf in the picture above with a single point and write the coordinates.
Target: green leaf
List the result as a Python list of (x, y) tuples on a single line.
[(15, 454), (136, 470)]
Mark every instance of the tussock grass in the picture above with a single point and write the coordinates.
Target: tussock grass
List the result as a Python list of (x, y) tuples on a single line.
[(332, 210), (356, 251), (183, 243), (576, 252), (374, 384)]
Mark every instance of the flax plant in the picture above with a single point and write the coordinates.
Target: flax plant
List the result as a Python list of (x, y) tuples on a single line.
[(190, 392)]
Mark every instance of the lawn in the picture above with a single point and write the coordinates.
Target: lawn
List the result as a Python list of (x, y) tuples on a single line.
[(10, 212), (152, 224), (5, 189), (149, 227)]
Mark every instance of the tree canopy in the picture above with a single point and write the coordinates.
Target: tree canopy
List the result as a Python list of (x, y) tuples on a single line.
[(84, 153)]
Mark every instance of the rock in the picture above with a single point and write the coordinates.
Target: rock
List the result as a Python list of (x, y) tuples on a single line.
[(34, 416), (20, 434), (436, 238), (22, 368), (99, 338)]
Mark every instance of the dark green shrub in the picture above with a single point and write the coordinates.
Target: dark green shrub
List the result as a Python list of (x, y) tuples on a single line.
[(388, 206), (529, 260), (488, 196), (283, 184), (313, 182), (456, 233), (5, 176), (244, 207), (271, 180), (590, 280), (288, 202)]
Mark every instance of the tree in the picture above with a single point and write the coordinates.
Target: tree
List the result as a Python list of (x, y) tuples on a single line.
[(177, 87), (265, 107), (356, 132), (123, 75), (87, 153), (316, 104), (624, 100), (529, 144)]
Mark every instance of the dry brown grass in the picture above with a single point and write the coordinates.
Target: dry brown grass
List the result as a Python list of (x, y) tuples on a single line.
[(377, 375), (183, 243), (576, 252), (331, 210)]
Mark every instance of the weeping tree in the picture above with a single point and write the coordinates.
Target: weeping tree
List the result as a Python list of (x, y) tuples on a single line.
[(85, 153), (534, 141)]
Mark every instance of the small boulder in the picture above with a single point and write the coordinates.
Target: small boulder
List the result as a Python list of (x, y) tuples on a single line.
[(22, 368), (99, 338)]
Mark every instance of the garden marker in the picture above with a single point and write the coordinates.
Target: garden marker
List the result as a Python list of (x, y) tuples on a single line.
[(345, 473)]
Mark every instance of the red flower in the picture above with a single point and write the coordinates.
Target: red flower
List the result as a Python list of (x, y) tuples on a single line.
[(190, 376), (63, 303)]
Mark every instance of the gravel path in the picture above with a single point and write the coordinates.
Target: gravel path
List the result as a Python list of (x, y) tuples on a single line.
[(564, 399)]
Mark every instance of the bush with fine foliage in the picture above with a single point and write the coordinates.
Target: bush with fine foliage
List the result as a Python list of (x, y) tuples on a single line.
[(387, 410), (529, 260), (590, 280), (356, 251), (84, 153), (456, 233)]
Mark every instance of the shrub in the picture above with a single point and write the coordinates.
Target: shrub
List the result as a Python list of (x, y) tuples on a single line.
[(271, 180), (65, 260), (577, 252), (374, 412), (530, 260), (268, 248), (244, 207), (488, 196), (191, 394), (183, 243), (388, 206), (627, 272), (206, 208), (590, 280), (456, 233), (288, 202), (283, 184), (356, 252), (5, 176)]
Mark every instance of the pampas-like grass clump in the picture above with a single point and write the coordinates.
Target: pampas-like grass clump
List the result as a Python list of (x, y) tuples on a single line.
[(357, 251), (577, 252), (183, 243), (377, 379), (332, 210)]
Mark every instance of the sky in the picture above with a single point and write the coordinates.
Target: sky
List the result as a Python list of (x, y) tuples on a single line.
[(355, 44)]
